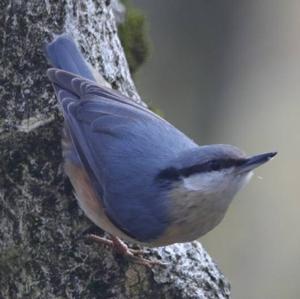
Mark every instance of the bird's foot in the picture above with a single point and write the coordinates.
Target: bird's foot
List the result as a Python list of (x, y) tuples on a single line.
[(121, 248)]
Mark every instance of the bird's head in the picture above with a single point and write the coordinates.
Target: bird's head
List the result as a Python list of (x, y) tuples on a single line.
[(214, 169)]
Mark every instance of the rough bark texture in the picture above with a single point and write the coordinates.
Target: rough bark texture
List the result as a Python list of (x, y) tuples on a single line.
[(41, 252)]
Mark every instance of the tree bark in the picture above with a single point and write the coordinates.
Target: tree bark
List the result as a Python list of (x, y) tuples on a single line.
[(41, 252)]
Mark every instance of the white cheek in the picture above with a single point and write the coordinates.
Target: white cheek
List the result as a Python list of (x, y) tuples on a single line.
[(206, 182), (216, 182)]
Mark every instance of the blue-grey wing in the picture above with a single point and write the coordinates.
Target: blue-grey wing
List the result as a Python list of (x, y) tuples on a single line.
[(123, 147)]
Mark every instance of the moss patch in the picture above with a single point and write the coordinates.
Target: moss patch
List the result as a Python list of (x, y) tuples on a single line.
[(134, 37)]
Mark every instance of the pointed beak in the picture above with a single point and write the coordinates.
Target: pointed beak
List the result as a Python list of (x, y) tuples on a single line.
[(255, 161)]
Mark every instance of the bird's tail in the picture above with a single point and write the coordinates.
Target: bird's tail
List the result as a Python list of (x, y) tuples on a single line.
[(63, 53)]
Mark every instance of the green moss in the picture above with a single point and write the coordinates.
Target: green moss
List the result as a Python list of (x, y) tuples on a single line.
[(134, 37), (135, 40)]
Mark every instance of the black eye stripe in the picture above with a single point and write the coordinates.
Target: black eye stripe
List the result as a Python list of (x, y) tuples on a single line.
[(174, 174), (212, 165)]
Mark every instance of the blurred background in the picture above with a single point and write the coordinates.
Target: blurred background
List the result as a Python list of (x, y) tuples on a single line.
[(229, 72)]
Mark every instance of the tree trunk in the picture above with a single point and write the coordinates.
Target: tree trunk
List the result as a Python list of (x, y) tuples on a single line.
[(41, 252)]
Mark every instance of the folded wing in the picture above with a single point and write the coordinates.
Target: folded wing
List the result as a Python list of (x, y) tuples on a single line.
[(122, 146)]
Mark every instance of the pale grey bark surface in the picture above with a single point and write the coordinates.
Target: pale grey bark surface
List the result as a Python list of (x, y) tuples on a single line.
[(41, 252)]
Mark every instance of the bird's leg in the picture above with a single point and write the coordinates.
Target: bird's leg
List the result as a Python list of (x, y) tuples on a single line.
[(100, 240), (116, 243), (122, 249)]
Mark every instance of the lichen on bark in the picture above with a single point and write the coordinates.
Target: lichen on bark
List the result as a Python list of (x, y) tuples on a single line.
[(42, 253)]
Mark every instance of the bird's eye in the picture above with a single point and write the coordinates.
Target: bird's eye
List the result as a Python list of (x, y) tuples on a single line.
[(215, 165)]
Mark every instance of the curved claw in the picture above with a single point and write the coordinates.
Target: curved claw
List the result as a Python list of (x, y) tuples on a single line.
[(121, 248)]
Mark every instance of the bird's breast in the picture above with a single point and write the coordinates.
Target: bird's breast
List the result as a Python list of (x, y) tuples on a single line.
[(192, 215)]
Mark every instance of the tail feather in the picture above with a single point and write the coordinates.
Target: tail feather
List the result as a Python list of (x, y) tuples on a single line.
[(63, 53)]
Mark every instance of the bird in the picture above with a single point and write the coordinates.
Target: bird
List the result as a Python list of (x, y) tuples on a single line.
[(135, 175)]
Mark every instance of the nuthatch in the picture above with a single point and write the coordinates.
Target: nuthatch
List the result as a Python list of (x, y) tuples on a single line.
[(135, 175)]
